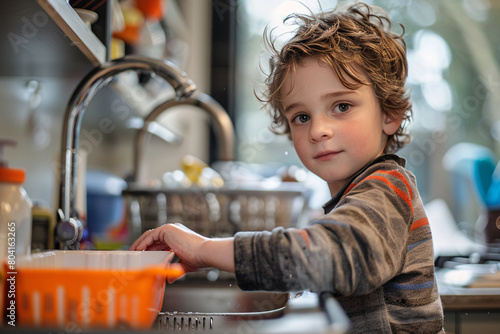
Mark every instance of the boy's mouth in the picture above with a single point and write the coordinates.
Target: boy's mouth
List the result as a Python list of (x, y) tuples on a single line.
[(326, 155)]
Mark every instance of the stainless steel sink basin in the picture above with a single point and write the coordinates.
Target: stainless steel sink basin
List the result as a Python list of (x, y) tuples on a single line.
[(215, 306)]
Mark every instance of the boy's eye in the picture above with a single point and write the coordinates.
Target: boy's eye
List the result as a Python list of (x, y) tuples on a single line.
[(341, 108), (302, 118)]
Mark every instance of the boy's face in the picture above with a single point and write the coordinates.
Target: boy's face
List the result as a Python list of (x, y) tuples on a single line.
[(335, 130)]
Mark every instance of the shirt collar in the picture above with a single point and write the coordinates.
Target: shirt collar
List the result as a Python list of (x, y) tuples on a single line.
[(328, 206)]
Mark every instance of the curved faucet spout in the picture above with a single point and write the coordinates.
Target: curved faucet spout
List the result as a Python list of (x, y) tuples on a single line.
[(224, 129), (82, 96)]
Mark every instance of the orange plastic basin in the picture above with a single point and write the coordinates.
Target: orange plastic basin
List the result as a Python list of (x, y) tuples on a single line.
[(91, 289)]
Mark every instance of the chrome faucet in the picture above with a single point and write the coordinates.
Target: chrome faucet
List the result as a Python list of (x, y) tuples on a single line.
[(69, 229), (224, 127)]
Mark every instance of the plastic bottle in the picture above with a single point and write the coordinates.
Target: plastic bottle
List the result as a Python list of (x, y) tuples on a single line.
[(15, 210), (15, 225)]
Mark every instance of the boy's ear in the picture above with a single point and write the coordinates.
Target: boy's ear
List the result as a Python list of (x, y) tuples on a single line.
[(391, 125)]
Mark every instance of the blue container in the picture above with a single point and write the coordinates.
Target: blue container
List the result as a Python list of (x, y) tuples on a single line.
[(105, 204)]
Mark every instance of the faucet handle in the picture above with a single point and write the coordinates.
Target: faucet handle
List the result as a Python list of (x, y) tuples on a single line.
[(69, 231)]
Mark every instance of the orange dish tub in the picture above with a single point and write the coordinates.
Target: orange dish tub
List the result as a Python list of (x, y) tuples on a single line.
[(92, 289)]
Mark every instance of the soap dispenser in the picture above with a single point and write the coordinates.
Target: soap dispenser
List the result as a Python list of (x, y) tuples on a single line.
[(15, 210)]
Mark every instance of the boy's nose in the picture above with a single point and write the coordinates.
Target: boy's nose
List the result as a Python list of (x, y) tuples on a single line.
[(321, 129)]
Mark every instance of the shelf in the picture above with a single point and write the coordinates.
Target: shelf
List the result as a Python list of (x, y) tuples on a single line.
[(46, 38)]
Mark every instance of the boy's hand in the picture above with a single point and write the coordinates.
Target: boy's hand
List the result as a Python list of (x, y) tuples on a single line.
[(194, 250)]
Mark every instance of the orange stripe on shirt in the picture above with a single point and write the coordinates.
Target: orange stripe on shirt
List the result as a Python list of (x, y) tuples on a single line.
[(398, 191), (352, 185), (419, 223), (305, 235), (400, 176)]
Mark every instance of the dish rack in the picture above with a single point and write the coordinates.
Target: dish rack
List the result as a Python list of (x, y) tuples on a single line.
[(218, 212), (91, 289)]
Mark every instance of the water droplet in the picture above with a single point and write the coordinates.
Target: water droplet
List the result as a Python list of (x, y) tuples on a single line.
[(286, 152)]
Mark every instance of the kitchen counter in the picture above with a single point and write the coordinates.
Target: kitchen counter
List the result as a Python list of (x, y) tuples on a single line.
[(456, 297)]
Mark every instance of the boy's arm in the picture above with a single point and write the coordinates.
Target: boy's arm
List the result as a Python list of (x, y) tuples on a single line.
[(194, 250), (218, 253)]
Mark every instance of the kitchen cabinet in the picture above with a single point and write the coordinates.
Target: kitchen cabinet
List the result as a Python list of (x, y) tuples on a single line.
[(472, 322), (46, 41), (469, 310), (46, 38)]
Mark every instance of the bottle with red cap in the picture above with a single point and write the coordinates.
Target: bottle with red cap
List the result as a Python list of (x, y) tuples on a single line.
[(15, 228), (15, 210)]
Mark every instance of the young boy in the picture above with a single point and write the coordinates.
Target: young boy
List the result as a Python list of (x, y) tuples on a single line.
[(337, 88)]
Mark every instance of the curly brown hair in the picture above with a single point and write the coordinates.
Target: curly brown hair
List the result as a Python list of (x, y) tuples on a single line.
[(356, 42)]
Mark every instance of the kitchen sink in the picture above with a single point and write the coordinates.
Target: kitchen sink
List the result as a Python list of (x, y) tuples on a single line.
[(193, 305)]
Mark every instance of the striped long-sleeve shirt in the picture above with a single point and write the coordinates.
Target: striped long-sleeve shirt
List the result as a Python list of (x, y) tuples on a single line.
[(372, 249)]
